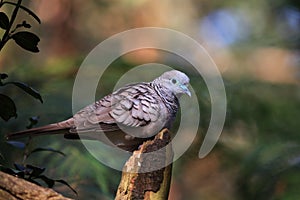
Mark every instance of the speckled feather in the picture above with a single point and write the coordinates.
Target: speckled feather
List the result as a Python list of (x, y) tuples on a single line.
[(145, 107)]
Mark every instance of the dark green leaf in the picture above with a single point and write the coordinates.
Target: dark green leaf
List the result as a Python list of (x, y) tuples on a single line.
[(17, 144), (26, 88), (20, 167), (36, 171), (3, 76), (4, 21), (26, 9), (12, 171), (1, 156), (27, 40), (33, 121), (50, 182), (67, 184), (46, 149), (7, 108)]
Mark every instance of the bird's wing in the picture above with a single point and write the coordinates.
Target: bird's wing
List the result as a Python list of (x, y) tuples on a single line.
[(134, 105)]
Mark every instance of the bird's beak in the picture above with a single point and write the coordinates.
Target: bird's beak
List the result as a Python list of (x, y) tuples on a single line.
[(186, 90)]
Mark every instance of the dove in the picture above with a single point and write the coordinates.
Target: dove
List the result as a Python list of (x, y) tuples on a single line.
[(126, 117)]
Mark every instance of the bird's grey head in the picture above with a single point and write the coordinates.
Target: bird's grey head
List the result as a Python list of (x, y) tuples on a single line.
[(174, 81)]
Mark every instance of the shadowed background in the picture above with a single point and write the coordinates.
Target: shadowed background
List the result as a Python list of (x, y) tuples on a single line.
[(255, 45)]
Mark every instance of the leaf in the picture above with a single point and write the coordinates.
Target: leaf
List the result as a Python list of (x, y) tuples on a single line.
[(25, 9), (36, 171), (33, 121), (20, 167), (27, 40), (67, 184), (4, 21), (12, 171), (46, 149), (7, 108), (50, 182), (3, 76), (20, 145), (26, 88)]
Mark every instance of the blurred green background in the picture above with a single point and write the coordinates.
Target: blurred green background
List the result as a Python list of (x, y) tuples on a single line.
[(256, 47)]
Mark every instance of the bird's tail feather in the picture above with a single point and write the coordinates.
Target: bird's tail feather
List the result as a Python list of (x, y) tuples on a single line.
[(57, 128)]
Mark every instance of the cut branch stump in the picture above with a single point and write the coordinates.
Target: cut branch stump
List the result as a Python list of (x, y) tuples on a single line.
[(147, 173)]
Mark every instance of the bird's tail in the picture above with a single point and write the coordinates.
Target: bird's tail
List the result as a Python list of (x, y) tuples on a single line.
[(57, 128)]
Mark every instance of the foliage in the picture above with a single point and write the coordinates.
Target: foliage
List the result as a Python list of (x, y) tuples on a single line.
[(28, 41), (267, 171), (7, 105), (30, 172), (24, 39)]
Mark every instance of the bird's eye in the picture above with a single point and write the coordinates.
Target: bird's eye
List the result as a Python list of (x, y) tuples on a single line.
[(174, 81)]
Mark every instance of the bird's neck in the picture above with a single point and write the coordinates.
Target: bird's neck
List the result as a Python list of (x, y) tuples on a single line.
[(170, 100)]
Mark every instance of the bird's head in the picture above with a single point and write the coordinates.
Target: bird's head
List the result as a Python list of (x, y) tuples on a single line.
[(175, 81)]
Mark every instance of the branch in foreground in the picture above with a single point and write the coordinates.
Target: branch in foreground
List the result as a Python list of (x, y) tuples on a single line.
[(15, 188)]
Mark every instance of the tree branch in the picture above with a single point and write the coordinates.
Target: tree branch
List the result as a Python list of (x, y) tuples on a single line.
[(14, 188), (138, 180)]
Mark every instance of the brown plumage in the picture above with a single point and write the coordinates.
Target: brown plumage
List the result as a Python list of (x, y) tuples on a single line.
[(127, 116)]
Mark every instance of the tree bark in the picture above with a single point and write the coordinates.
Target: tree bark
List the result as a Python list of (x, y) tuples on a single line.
[(13, 188), (138, 180)]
